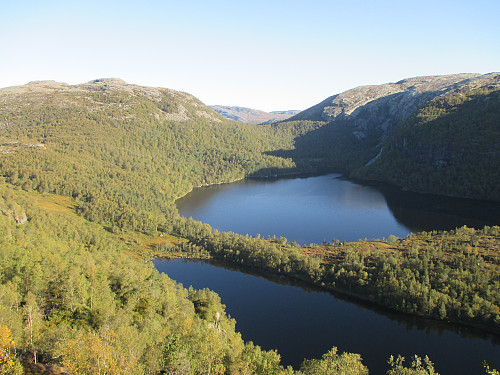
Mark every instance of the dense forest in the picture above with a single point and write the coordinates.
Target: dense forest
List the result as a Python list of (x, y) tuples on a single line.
[(89, 176)]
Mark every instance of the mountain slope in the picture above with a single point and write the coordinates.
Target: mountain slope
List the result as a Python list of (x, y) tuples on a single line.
[(124, 151), (359, 123), (252, 116), (450, 145)]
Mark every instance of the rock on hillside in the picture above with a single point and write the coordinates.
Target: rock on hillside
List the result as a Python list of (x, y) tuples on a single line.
[(173, 105), (434, 134), (252, 116), (380, 107)]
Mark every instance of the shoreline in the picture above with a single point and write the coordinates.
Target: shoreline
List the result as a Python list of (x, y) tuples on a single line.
[(263, 177), (336, 292), (207, 185)]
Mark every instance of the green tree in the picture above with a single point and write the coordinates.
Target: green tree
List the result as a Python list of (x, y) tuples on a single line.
[(332, 363)]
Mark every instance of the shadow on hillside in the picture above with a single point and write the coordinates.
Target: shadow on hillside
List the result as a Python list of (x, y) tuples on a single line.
[(427, 212), (350, 141)]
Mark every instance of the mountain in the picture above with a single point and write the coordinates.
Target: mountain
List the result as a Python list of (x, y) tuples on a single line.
[(252, 116), (89, 177), (382, 106), (125, 152), (451, 146), (362, 128)]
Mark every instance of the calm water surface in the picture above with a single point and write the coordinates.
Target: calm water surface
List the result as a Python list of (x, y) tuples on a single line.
[(305, 323), (302, 323), (318, 209)]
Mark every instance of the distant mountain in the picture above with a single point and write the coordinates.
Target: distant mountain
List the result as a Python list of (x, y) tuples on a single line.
[(437, 134), (252, 116)]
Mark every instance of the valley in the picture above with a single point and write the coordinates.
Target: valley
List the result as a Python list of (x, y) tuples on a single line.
[(89, 178)]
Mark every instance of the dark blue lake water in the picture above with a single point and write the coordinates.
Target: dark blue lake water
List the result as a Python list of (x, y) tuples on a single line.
[(301, 322), (318, 209)]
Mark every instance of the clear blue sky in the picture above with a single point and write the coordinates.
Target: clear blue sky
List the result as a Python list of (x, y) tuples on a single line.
[(270, 55)]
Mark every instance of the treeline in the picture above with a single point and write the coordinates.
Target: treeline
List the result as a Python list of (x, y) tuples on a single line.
[(450, 146), (452, 276)]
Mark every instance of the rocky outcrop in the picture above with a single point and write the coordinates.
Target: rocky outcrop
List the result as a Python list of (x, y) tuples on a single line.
[(380, 107), (21, 219)]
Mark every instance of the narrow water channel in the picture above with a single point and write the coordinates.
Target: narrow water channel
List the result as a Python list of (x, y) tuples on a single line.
[(303, 322)]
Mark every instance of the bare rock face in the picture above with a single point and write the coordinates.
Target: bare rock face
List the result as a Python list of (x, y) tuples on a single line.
[(380, 107), (21, 219)]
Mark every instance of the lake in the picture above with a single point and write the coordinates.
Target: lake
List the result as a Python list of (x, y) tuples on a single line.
[(317, 209), (304, 322)]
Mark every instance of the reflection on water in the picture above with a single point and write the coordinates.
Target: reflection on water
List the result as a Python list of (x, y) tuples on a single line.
[(304, 322), (318, 209), (427, 212)]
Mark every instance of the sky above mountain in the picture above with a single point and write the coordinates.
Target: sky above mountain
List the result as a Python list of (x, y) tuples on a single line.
[(268, 55)]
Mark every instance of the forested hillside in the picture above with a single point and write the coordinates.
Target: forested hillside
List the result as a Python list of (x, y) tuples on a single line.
[(125, 152), (71, 294), (89, 176), (451, 145), (429, 134)]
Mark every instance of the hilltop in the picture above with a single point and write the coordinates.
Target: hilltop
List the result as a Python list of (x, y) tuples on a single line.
[(172, 105)]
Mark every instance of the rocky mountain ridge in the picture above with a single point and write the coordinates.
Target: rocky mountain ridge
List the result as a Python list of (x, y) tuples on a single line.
[(381, 107)]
